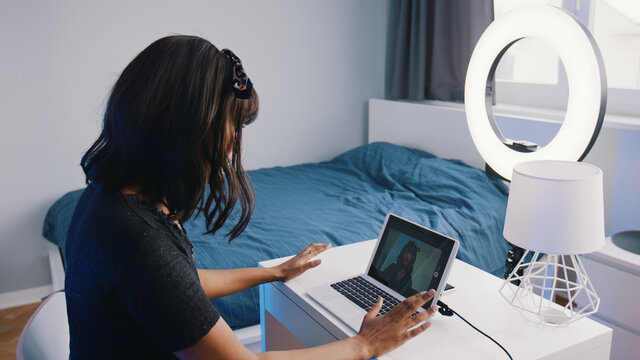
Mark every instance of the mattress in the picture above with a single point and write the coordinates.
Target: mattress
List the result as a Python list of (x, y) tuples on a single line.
[(342, 201)]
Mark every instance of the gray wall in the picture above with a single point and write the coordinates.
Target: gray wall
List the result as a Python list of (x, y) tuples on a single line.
[(314, 64)]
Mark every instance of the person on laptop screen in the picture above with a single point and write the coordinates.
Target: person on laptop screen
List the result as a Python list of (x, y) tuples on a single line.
[(406, 264), (398, 274)]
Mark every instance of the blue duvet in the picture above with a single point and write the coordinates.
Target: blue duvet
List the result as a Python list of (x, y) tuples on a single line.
[(343, 201)]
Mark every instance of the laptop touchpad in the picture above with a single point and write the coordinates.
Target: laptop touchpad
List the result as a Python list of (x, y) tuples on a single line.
[(347, 311)]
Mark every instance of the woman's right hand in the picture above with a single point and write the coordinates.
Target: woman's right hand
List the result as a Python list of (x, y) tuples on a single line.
[(377, 336), (381, 334)]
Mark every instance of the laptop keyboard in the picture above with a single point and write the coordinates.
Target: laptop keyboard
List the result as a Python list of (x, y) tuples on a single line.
[(365, 294)]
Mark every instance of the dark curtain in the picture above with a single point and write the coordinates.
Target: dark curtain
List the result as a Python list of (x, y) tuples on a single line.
[(432, 42)]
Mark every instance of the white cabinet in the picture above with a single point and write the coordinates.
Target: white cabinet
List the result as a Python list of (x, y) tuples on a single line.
[(615, 274)]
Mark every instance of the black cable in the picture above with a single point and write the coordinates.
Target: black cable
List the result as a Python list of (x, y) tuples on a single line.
[(447, 311)]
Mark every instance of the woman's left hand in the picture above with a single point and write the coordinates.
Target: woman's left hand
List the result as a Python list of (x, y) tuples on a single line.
[(300, 263)]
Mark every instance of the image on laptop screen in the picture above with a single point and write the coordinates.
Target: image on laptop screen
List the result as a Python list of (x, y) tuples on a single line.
[(408, 264)]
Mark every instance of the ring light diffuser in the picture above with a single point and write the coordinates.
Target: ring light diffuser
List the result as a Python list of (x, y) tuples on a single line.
[(586, 77)]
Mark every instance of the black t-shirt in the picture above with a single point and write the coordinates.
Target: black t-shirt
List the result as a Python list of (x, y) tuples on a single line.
[(131, 285)]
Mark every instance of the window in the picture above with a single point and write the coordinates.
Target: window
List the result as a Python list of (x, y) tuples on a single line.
[(616, 27), (528, 61), (530, 73)]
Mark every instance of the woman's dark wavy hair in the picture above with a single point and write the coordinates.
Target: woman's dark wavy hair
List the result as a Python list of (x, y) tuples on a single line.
[(173, 125)]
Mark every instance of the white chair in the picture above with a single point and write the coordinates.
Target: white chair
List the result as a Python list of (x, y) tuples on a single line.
[(46, 334), (56, 265)]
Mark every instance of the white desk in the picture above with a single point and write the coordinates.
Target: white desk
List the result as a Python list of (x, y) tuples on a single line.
[(290, 319)]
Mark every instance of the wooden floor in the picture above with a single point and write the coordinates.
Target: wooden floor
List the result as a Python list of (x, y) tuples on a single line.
[(12, 320)]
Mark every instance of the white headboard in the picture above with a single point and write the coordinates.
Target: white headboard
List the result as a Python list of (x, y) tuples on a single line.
[(442, 131), (439, 130)]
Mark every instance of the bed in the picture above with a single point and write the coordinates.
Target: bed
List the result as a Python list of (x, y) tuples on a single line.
[(342, 201)]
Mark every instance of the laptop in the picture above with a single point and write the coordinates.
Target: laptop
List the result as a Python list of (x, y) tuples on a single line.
[(408, 258)]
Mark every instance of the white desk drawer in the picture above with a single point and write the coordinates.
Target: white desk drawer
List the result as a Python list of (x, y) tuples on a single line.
[(625, 345), (294, 320), (618, 291)]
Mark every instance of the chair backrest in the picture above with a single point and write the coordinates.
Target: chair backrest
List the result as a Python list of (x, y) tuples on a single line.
[(46, 334)]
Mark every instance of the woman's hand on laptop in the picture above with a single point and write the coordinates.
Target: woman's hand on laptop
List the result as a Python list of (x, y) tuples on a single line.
[(300, 263), (381, 334)]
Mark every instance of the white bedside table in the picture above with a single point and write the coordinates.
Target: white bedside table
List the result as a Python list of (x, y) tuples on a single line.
[(615, 274), (290, 319)]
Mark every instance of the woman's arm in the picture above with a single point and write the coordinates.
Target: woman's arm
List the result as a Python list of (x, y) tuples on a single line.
[(217, 283), (378, 335)]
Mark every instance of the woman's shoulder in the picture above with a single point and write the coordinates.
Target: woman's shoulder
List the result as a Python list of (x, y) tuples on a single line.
[(106, 218)]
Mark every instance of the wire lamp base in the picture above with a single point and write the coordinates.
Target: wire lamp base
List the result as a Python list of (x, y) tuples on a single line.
[(544, 279)]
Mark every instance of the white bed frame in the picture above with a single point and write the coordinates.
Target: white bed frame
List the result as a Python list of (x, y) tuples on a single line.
[(438, 129)]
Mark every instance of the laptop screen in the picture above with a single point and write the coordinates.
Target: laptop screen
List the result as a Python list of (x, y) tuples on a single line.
[(410, 258)]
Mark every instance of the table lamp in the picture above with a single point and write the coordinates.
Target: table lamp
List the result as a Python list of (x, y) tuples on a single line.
[(555, 212)]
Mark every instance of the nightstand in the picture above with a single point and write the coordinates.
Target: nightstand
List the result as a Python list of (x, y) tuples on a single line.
[(615, 274), (290, 319)]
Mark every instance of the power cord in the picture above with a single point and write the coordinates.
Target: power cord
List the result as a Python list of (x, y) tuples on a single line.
[(447, 311)]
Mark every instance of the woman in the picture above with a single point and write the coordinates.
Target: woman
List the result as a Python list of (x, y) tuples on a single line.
[(170, 146)]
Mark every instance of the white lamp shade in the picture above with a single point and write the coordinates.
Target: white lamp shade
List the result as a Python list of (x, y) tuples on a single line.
[(556, 207)]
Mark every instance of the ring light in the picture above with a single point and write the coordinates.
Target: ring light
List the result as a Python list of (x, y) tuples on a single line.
[(586, 77)]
